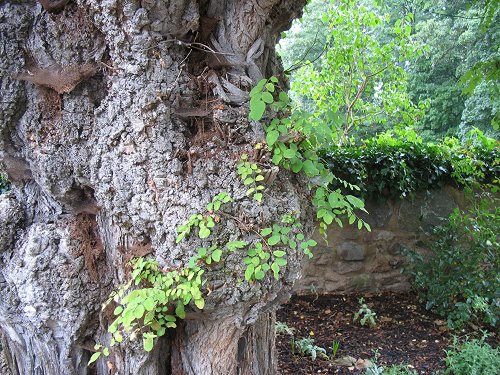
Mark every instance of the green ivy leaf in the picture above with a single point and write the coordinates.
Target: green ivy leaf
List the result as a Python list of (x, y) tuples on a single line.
[(258, 88), (267, 97), (272, 137), (310, 169), (289, 153), (249, 272), (94, 357), (279, 253), (148, 344), (266, 232), (179, 310), (257, 108), (149, 304), (297, 165), (276, 269), (139, 311), (280, 262), (204, 232), (216, 255), (270, 87), (200, 303), (259, 275), (118, 310), (273, 240)]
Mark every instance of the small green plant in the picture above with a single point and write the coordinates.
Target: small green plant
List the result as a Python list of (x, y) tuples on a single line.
[(306, 347), (335, 348), (472, 357), (204, 223), (365, 315), (398, 369), (269, 253), (283, 328), (154, 307), (251, 175)]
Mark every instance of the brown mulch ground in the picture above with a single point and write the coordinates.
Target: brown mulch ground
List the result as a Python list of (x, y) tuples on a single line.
[(405, 333)]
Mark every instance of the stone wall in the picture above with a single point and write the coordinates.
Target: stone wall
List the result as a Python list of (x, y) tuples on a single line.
[(353, 260)]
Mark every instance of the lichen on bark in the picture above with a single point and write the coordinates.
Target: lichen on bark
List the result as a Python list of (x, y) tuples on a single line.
[(131, 151)]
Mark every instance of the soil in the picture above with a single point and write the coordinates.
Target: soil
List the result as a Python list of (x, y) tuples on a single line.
[(404, 333)]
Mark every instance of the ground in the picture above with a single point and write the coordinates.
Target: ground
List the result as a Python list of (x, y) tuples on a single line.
[(405, 333)]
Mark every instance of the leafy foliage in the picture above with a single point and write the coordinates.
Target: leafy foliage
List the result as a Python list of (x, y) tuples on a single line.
[(252, 176), (365, 315), (460, 280), (283, 328), (472, 357), (360, 84), (398, 163), (305, 346), (293, 147)]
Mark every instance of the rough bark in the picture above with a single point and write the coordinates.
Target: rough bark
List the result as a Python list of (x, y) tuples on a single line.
[(116, 124)]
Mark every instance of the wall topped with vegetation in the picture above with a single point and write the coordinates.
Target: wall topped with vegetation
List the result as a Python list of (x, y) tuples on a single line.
[(410, 187)]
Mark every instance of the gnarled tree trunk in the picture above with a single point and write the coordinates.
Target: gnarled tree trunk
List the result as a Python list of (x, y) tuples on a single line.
[(119, 119)]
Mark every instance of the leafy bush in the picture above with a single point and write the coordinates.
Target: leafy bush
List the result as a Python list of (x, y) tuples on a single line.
[(461, 280), (398, 163), (472, 357)]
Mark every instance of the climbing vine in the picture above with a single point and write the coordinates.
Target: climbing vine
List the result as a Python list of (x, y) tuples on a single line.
[(155, 298)]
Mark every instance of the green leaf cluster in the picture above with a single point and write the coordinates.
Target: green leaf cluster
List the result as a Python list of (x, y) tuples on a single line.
[(204, 223), (460, 280), (398, 163), (270, 252), (293, 148), (154, 304), (251, 175), (468, 356)]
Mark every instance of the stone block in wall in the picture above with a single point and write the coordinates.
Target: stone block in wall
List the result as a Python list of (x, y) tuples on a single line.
[(351, 251), (380, 264), (383, 235), (361, 283), (343, 268), (379, 213), (426, 210)]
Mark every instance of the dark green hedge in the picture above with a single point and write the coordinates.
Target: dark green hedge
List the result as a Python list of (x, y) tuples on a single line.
[(396, 164)]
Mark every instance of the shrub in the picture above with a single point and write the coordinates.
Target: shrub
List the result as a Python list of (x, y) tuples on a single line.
[(461, 279), (398, 163), (472, 357)]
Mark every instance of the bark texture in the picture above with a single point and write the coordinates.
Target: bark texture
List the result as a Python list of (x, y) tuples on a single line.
[(118, 120)]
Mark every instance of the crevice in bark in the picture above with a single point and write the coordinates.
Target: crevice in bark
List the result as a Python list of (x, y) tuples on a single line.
[(83, 231)]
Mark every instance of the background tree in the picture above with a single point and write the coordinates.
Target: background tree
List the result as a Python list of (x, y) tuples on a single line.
[(457, 75), (120, 119), (360, 81)]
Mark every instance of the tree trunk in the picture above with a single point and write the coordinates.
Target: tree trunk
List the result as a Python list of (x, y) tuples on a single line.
[(118, 120)]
